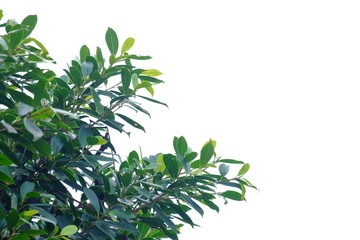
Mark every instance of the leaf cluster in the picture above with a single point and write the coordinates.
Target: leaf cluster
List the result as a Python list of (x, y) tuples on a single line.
[(60, 174)]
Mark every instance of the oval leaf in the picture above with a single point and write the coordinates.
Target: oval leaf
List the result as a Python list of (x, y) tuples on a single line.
[(112, 41), (69, 230), (33, 129), (127, 45), (92, 198), (206, 153), (171, 165), (232, 195), (244, 169)]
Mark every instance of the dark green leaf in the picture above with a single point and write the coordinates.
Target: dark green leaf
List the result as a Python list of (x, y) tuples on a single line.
[(12, 218), (206, 153), (171, 165), (125, 78), (83, 133), (20, 97), (99, 56), (56, 144), (43, 147), (232, 161), (131, 122), (29, 22), (25, 188), (150, 79), (75, 76), (16, 35), (9, 153), (112, 41), (165, 218), (127, 45), (92, 198), (45, 214), (193, 204), (232, 195), (39, 92), (105, 228), (6, 178), (182, 146), (190, 156), (181, 213), (152, 100), (84, 52)]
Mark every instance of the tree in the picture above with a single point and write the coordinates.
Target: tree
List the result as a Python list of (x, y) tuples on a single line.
[(61, 176)]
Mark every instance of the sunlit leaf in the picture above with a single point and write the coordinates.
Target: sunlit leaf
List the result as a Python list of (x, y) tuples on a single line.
[(69, 230), (127, 45), (244, 169)]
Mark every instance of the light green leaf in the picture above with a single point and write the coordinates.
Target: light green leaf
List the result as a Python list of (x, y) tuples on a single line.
[(94, 200), (33, 129), (151, 72), (134, 80), (206, 153), (127, 45), (4, 160), (112, 41), (69, 230), (160, 162), (244, 169)]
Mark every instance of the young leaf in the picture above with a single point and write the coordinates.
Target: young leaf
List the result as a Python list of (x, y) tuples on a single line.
[(33, 129), (244, 169), (151, 73), (69, 230), (112, 41), (127, 45)]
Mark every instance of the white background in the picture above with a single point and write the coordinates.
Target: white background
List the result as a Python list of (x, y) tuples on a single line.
[(276, 83)]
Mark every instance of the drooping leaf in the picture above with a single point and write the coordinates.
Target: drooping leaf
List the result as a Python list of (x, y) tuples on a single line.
[(193, 204), (112, 41), (24, 109), (232, 195), (97, 101)]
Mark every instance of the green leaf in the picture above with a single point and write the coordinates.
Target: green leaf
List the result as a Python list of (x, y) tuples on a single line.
[(29, 22), (4, 160), (99, 56), (6, 178), (181, 213), (193, 204), (97, 101), (112, 41), (20, 97), (244, 169), (46, 216), (223, 169), (39, 92), (165, 218), (9, 153), (30, 213), (69, 230), (16, 35), (127, 45), (125, 78), (33, 129), (94, 200), (182, 146), (105, 228), (152, 100), (92, 140), (131, 122), (206, 153), (151, 73), (232, 195), (171, 165), (25, 188), (12, 218), (75, 76), (1, 14), (190, 156), (232, 161), (56, 144), (43, 147), (84, 52)]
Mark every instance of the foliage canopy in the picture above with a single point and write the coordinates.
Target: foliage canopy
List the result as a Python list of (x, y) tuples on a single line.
[(61, 176)]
